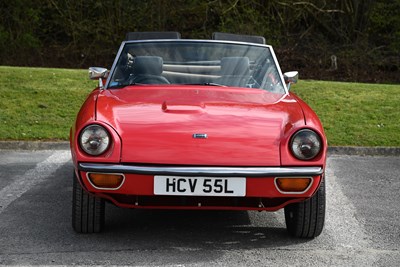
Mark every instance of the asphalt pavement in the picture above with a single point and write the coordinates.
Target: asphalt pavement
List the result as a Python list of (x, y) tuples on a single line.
[(362, 224)]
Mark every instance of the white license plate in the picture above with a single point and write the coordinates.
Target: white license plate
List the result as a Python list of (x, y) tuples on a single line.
[(199, 186)]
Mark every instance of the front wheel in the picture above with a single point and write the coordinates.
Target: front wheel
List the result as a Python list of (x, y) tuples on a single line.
[(87, 211), (306, 219)]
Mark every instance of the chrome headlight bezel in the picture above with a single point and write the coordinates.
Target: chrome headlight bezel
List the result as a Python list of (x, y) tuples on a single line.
[(94, 140), (305, 144)]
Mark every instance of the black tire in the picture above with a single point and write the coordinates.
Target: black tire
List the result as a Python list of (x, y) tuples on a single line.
[(88, 212), (306, 219)]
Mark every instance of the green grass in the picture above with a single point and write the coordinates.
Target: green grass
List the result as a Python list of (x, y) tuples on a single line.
[(41, 104), (355, 114)]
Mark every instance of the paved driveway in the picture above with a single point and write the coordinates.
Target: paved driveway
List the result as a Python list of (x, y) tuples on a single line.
[(362, 224)]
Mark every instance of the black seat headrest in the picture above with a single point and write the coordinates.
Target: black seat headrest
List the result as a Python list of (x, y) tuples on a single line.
[(235, 66), (152, 35), (148, 65), (238, 37)]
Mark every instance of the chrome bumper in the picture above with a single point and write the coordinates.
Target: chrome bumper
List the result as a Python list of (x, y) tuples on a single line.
[(202, 171)]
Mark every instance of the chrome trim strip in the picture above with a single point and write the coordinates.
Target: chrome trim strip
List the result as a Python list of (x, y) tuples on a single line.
[(195, 41), (201, 171), (111, 73)]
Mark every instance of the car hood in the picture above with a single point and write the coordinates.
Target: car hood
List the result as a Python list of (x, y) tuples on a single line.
[(199, 125)]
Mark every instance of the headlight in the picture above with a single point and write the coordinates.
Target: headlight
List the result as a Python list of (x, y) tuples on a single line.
[(305, 144), (94, 140)]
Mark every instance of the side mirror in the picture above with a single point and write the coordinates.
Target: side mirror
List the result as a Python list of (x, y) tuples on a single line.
[(291, 77), (98, 73)]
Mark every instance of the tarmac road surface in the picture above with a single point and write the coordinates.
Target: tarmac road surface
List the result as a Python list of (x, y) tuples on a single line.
[(362, 224)]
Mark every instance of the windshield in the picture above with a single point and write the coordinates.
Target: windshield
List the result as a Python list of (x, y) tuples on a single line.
[(196, 63)]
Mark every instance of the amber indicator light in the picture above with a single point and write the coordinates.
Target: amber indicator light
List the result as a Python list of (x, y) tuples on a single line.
[(103, 180), (293, 184)]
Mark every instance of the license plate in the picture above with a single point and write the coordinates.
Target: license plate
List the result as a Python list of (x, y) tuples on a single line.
[(199, 186)]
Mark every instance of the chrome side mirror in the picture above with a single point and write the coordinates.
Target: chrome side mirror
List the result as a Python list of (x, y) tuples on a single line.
[(291, 77), (98, 73)]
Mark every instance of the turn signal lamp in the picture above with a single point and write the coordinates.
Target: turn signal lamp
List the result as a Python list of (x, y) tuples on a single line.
[(293, 185), (106, 181)]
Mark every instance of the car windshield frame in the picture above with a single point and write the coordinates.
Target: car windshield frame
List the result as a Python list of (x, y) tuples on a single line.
[(259, 58)]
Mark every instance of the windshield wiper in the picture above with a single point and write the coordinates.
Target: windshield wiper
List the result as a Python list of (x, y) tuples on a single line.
[(135, 84), (214, 84), (116, 87), (209, 84), (119, 86)]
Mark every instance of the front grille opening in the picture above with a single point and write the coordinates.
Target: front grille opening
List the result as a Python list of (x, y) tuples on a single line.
[(193, 201)]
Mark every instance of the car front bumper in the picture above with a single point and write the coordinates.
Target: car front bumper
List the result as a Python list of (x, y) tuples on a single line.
[(137, 189), (199, 170)]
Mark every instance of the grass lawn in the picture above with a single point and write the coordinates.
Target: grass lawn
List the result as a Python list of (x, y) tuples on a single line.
[(41, 104), (355, 114)]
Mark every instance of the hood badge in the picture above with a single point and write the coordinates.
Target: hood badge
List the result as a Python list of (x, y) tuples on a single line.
[(200, 136)]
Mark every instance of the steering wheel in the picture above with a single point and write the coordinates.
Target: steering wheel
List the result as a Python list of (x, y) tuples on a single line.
[(149, 79)]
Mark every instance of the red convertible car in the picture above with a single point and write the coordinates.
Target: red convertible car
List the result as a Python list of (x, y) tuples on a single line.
[(201, 125)]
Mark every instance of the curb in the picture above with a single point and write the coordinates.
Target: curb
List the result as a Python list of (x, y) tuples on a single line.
[(364, 151), (334, 150), (33, 145)]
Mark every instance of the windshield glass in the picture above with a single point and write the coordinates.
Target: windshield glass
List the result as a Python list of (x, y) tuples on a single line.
[(198, 63)]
